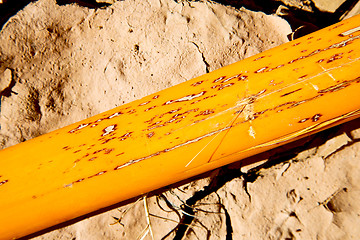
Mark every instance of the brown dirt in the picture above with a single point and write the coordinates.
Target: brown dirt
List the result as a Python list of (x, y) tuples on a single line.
[(62, 62)]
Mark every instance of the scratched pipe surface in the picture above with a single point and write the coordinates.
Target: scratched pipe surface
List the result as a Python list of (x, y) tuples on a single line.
[(243, 109)]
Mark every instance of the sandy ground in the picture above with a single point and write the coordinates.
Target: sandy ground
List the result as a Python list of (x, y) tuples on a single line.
[(61, 64)]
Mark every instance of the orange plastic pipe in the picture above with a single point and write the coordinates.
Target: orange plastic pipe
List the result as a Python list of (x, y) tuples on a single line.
[(262, 102)]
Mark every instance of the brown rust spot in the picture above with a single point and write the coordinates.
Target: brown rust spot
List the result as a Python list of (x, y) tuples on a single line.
[(242, 78), (79, 180), (108, 151), (170, 112), (206, 112), (261, 70), (157, 126), (258, 114), (261, 92), (316, 117), (144, 103), (273, 83), (125, 136), (177, 115), (203, 99), (81, 126), (92, 159), (76, 151), (3, 182), (304, 101), (303, 120), (339, 86), (225, 86), (219, 79), (297, 59), (257, 59), (279, 66), (186, 98), (230, 78), (150, 120), (107, 140), (97, 151), (132, 111), (98, 174), (148, 109), (119, 154), (155, 123), (334, 57), (336, 26), (172, 120), (77, 160), (150, 134), (66, 148), (197, 83), (99, 120), (114, 115), (182, 115), (288, 93)]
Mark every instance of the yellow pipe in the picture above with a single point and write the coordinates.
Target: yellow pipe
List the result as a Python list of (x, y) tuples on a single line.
[(240, 110)]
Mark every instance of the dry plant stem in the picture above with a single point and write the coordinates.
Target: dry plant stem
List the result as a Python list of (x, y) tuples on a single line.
[(147, 214), (260, 103), (118, 220)]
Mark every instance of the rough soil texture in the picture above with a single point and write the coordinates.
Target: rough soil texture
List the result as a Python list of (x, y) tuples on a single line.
[(61, 64)]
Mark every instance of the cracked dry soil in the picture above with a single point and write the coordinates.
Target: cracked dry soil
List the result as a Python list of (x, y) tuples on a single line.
[(56, 70)]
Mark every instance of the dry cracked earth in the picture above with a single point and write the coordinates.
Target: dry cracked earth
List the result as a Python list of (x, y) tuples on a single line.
[(63, 61)]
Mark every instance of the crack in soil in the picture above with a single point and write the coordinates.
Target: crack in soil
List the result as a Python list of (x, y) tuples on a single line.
[(225, 175)]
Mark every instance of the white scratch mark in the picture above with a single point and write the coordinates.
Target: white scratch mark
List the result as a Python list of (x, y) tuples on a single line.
[(68, 185), (115, 115), (328, 73), (144, 103), (315, 86), (81, 126), (261, 70), (186, 98), (252, 132), (108, 130), (202, 149), (351, 31), (231, 78)]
